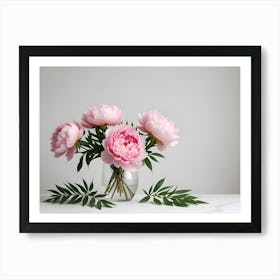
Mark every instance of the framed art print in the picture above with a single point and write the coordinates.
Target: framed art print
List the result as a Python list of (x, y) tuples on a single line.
[(140, 138)]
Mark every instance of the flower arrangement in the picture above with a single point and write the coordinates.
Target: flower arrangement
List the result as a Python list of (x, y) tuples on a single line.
[(102, 133), (124, 147)]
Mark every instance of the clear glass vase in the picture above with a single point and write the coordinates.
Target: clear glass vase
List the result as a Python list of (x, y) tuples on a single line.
[(119, 184)]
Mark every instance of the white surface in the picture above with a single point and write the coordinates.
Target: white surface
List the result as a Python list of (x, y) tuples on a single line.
[(223, 208), (146, 256), (217, 203)]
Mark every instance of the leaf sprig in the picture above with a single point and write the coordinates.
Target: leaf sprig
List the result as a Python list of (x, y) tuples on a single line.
[(79, 194), (91, 147), (151, 142), (169, 195)]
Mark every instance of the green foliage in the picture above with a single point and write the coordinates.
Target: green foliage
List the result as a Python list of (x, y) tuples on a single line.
[(91, 147), (79, 194), (169, 195), (151, 142), (148, 163)]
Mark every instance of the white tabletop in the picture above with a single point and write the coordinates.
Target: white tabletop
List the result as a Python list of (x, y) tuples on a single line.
[(216, 203)]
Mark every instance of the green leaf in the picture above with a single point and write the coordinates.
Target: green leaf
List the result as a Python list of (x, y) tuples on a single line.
[(92, 193), (85, 184), (150, 190), (164, 190), (182, 191), (159, 184), (74, 188), (157, 201), (62, 190), (79, 199), (82, 188), (153, 158), (167, 202), (89, 139), (91, 187), (85, 200), (148, 163), (144, 199), (162, 193), (172, 192), (69, 188), (158, 155), (80, 164), (176, 203), (190, 197), (98, 205), (99, 133), (88, 158), (73, 199), (84, 143), (179, 203), (56, 199), (100, 195), (53, 191), (201, 202), (109, 202), (145, 193), (92, 202), (106, 203), (48, 200), (64, 198)]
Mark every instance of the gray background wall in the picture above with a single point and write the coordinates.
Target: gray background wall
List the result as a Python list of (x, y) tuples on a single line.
[(202, 101)]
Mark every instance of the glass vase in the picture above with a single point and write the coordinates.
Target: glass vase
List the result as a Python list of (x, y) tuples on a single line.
[(120, 185)]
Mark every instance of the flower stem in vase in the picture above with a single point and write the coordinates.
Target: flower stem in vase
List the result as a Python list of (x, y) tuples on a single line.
[(120, 183)]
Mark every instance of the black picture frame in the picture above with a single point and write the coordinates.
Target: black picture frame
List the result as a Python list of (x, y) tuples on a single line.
[(254, 52)]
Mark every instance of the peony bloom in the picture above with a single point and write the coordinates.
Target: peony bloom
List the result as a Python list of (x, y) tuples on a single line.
[(65, 137), (160, 127), (123, 147), (102, 115)]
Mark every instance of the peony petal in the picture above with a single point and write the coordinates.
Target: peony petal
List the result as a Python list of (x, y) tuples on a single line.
[(124, 147), (64, 138), (107, 158), (70, 153), (102, 115)]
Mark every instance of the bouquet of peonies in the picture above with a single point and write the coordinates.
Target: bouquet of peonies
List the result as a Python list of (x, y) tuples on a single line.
[(125, 148)]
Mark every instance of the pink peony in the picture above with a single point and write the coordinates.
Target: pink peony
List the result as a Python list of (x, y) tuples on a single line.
[(64, 139), (161, 128), (123, 147), (102, 115)]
